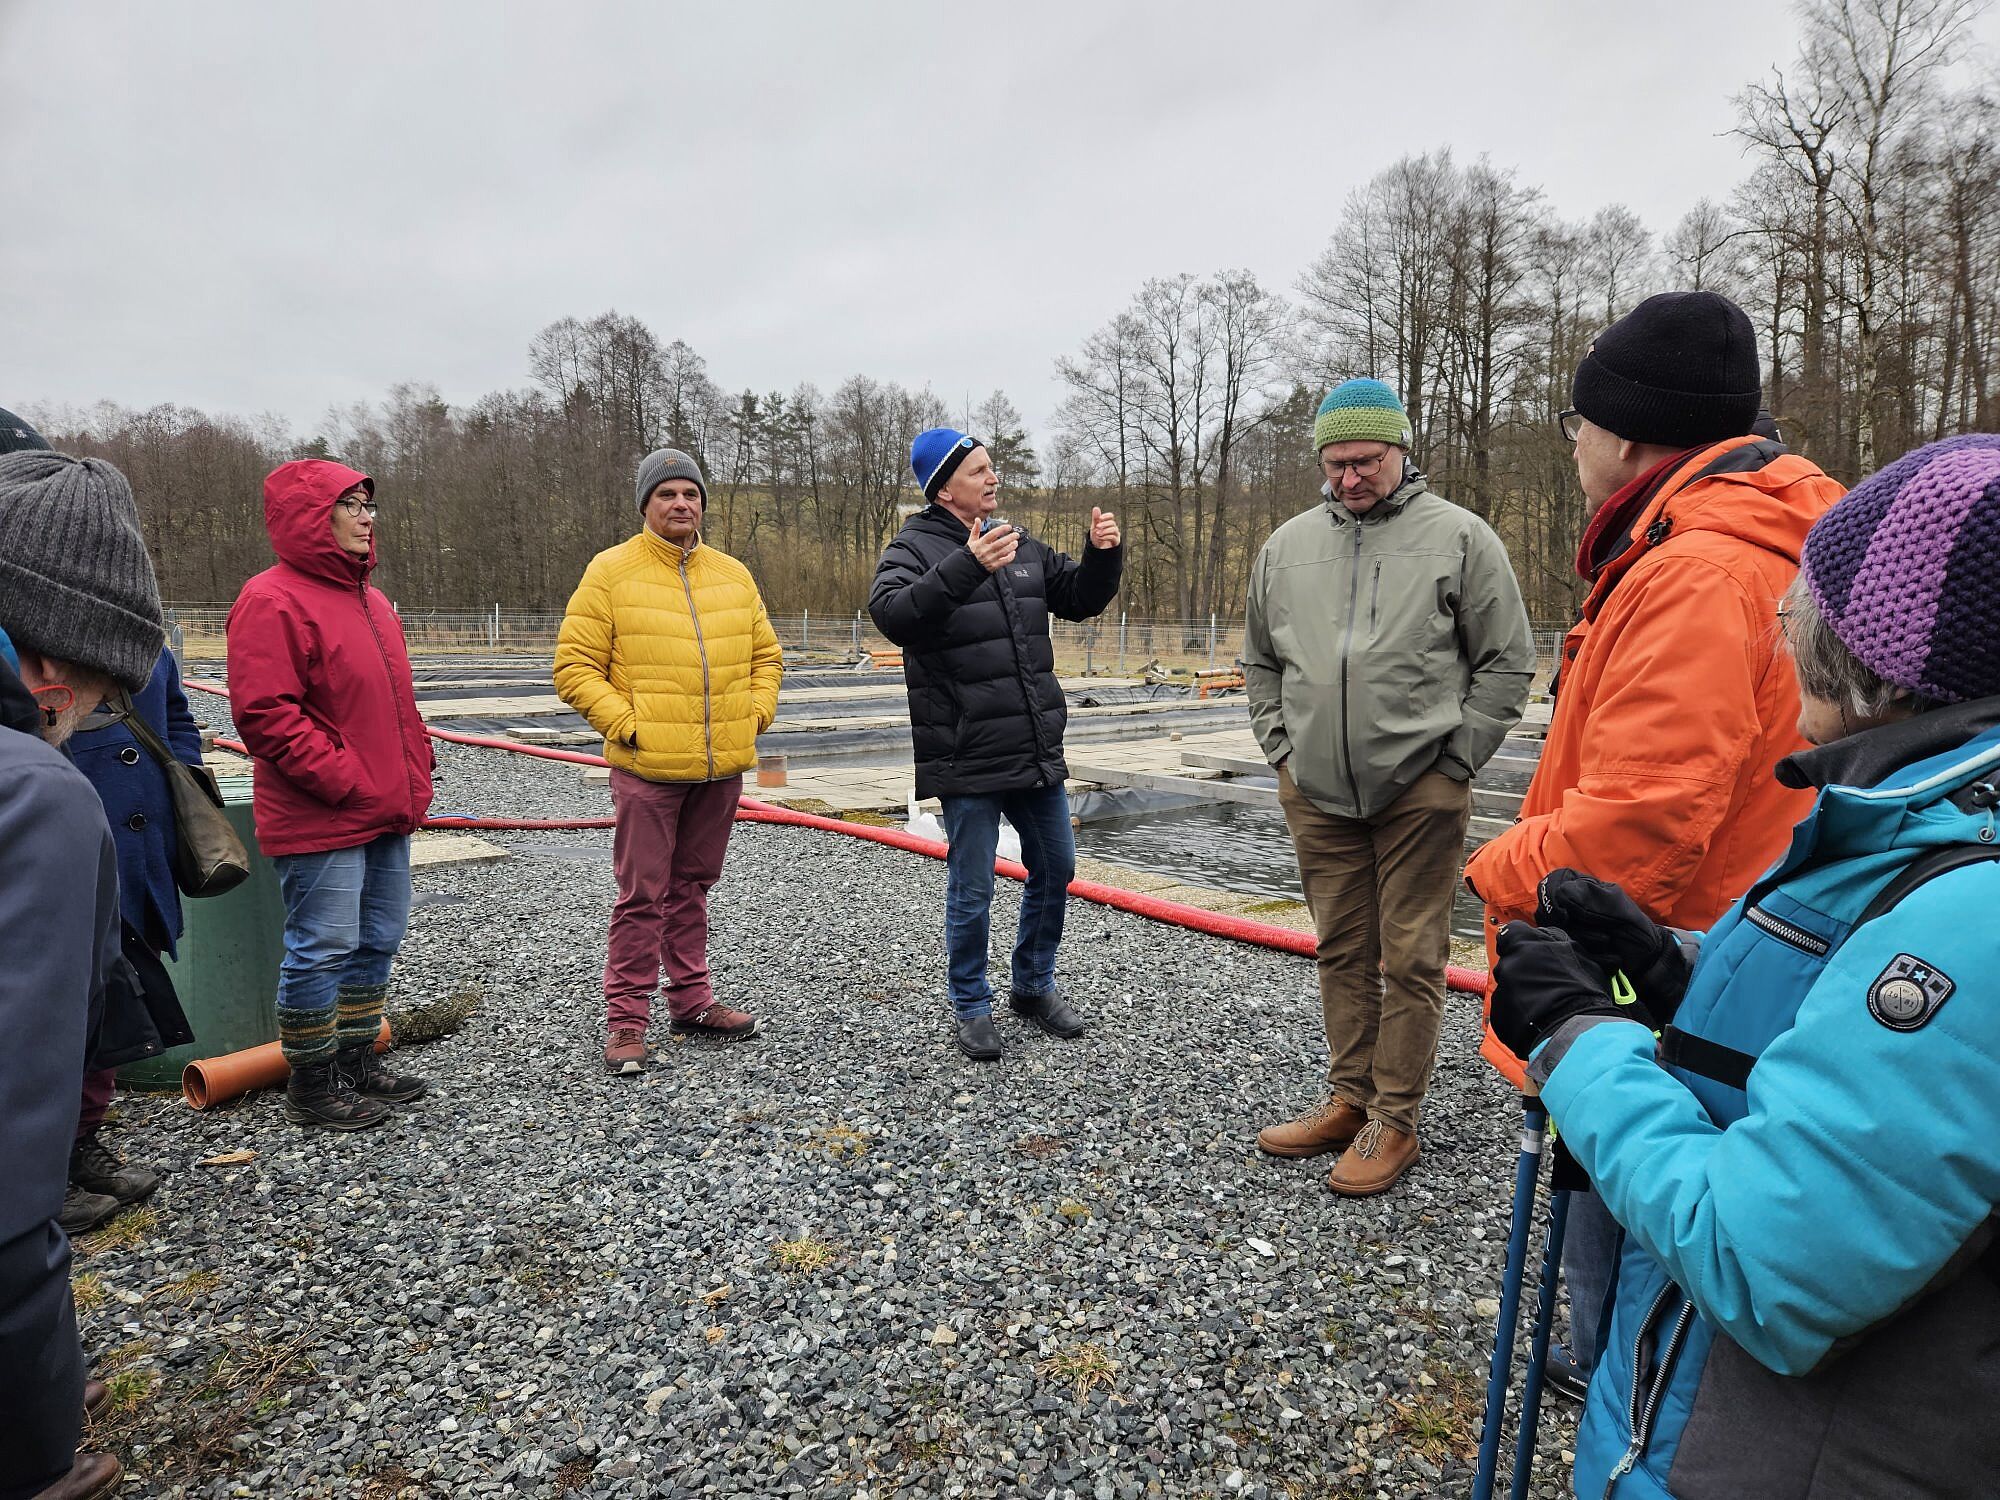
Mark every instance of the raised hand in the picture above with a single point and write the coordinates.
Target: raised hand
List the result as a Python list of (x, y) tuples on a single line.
[(995, 546), (1104, 531)]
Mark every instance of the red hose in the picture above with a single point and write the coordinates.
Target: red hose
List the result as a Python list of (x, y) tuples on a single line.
[(749, 810)]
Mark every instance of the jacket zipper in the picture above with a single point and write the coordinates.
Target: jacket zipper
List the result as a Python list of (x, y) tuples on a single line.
[(1645, 1407), (1346, 651), (395, 706), (1374, 593), (701, 646), (1785, 932)]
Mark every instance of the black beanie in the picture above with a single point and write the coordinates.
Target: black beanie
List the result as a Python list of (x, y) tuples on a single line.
[(16, 435), (1678, 370)]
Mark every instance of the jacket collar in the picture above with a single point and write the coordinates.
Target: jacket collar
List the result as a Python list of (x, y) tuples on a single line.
[(1387, 508), (1871, 757), (674, 555), (1672, 495)]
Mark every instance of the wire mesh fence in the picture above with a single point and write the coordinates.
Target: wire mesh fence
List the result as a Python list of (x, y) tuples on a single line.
[(1117, 643)]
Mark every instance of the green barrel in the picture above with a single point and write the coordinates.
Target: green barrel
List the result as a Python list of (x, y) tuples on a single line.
[(227, 972)]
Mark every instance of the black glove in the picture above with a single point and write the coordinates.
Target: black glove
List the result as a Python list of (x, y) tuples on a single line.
[(1609, 927), (1543, 979)]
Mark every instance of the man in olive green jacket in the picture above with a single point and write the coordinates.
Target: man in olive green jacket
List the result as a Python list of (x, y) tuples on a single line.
[(1386, 653)]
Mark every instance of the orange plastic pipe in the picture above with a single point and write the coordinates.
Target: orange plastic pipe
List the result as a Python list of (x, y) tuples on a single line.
[(209, 1081)]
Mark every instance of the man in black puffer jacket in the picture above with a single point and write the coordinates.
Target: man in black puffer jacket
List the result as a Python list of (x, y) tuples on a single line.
[(969, 599)]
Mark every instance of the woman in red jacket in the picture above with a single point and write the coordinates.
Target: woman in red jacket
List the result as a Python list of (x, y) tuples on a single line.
[(319, 681)]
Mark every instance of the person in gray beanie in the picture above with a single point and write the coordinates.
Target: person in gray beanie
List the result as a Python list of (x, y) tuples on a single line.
[(693, 682), (79, 617), (76, 583)]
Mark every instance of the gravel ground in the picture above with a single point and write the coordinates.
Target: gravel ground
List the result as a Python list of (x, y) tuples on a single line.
[(836, 1260)]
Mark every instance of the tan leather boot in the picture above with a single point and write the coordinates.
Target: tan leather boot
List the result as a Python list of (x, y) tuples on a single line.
[(1380, 1154), (1328, 1128)]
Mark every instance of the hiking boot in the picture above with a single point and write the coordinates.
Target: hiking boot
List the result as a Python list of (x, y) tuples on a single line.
[(977, 1039), (1328, 1128), (1050, 1012), (625, 1053), (95, 1394), (1379, 1155), (96, 1168), (1563, 1375), (319, 1097), (362, 1071), (717, 1021), (92, 1477), (83, 1210)]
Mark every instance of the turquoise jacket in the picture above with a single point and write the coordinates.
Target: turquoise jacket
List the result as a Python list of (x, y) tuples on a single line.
[(1807, 1303)]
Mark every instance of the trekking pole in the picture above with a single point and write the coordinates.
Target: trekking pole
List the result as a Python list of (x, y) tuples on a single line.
[(1538, 1343), (1527, 1170)]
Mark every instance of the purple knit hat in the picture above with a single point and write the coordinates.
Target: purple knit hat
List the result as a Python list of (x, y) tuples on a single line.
[(1903, 569)]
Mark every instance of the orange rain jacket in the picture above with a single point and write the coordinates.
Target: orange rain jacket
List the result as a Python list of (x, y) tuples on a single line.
[(1675, 700)]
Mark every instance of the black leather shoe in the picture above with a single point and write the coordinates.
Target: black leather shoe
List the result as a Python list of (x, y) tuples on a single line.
[(1050, 1012), (362, 1072), (96, 1168), (977, 1039)]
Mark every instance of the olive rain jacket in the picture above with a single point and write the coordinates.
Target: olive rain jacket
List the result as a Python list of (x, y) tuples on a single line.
[(1381, 646)]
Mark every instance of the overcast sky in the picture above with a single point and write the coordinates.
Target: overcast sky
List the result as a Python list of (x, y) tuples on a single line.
[(277, 207)]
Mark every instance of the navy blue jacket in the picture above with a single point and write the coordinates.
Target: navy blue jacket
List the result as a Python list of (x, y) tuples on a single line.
[(59, 924), (138, 805)]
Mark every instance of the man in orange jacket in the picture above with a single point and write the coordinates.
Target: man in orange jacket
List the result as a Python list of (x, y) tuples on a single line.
[(1674, 697)]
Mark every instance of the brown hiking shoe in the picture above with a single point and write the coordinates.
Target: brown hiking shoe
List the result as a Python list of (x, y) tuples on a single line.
[(718, 1021), (91, 1477), (1328, 1128), (625, 1054), (1380, 1154)]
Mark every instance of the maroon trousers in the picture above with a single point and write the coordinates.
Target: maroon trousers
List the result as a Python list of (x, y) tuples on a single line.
[(97, 1091), (666, 851)]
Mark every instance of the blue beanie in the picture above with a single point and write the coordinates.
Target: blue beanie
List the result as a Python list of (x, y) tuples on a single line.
[(935, 455)]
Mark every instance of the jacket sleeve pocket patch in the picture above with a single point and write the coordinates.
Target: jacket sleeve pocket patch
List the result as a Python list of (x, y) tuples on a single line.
[(1908, 993)]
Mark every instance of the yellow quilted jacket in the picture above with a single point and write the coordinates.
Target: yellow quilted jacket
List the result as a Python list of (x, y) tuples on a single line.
[(671, 658)]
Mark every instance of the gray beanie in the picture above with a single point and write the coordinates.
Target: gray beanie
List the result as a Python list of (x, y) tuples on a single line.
[(75, 581), (663, 464)]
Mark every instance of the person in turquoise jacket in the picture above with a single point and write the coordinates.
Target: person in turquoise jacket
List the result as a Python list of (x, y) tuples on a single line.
[(1805, 1159)]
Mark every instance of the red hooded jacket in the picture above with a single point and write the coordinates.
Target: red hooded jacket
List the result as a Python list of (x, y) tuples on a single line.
[(319, 681)]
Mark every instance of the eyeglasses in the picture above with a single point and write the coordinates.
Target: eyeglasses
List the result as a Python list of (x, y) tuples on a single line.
[(1362, 468), (356, 507), (1570, 420)]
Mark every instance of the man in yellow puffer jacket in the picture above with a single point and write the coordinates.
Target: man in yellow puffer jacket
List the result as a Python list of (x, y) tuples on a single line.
[(667, 651)]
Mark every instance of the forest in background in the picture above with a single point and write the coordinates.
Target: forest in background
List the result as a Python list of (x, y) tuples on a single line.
[(1864, 241)]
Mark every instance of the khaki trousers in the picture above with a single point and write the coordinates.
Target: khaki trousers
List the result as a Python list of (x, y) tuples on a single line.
[(1380, 892)]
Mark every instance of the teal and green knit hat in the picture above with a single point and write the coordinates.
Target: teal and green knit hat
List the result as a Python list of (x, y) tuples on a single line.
[(1361, 411)]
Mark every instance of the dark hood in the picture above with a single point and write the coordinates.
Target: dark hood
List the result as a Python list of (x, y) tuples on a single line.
[(298, 513), (17, 704)]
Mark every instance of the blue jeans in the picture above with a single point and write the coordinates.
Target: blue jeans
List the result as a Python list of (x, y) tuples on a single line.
[(1589, 1265), (346, 911), (972, 825)]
